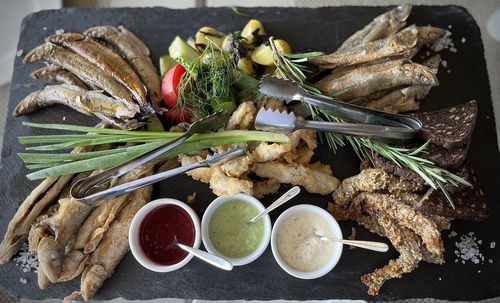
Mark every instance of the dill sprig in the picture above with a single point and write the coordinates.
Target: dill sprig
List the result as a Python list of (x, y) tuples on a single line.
[(289, 67), (205, 87)]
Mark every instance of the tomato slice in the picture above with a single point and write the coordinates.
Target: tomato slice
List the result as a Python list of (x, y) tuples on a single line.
[(177, 115), (170, 85)]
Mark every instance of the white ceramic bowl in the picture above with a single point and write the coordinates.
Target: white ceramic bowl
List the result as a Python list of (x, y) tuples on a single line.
[(208, 215), (337, 251), (133, 237)]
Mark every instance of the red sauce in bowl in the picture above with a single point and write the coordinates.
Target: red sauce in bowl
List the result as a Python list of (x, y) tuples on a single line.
[(160, 228)]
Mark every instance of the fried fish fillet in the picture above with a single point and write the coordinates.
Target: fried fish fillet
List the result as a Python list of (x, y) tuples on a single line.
[(135, 52), (366, 80), (56, 74), (81, 67), (86, 102), (108, 60), (381, 27)]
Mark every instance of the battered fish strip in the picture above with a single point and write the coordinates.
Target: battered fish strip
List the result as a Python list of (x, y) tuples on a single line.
[(109, 61), (381, 27), (312, 180), (56, 74), (407, 217), (81, 67), (86, 102), (410, 256), (397, 45), (135, 52), (222, 185), (366, 80)]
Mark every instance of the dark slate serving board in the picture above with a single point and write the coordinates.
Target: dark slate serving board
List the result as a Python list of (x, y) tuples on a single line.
[(319, 29)]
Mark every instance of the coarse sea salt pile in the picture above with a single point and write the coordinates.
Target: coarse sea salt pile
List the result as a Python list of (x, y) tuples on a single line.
[(26, 260), (468, 249), (444, 42)]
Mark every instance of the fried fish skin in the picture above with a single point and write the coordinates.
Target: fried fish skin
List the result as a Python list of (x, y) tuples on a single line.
[(396, 45), (81, 67), (86, 102), (366, 80), (135, 52), (108, 60), (56, 74), (381, 27)]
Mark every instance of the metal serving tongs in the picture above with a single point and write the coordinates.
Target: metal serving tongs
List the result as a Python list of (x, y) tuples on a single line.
[(94, 199), (90, 189), (372, 123)]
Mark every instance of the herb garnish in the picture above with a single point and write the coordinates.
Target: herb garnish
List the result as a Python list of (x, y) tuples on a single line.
[(289, 67)]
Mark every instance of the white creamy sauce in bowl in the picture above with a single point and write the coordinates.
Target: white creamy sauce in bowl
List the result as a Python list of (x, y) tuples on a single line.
[(298, 244)]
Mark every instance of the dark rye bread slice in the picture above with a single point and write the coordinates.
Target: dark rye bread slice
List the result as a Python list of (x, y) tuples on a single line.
[(445, 158), (406, 174), (451, 127), (470, 203)]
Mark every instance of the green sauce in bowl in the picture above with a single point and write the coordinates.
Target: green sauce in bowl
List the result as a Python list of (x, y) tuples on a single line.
[(229, 233)]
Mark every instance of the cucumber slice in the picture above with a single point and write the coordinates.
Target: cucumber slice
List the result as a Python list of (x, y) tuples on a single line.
[(180, 49), (166, 63)]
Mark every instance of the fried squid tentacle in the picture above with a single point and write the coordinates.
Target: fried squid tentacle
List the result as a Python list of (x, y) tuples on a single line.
[(314, 181)]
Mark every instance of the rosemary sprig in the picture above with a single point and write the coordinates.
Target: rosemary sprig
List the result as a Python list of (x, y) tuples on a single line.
[(289, 67)]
